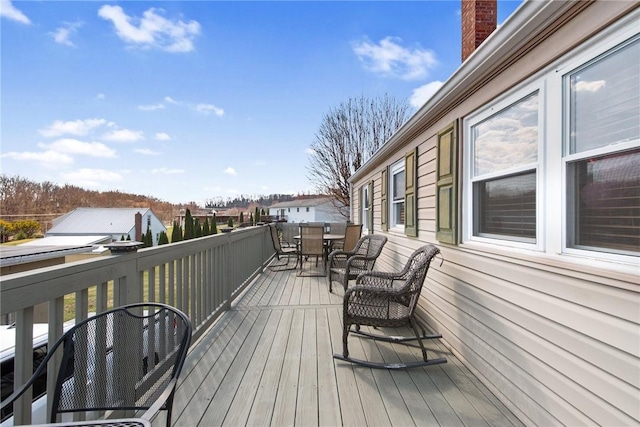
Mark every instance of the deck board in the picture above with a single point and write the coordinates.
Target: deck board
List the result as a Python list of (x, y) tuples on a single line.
[(268, 362)]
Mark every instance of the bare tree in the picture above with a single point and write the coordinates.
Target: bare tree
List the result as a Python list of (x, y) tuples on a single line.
[(348, 136)]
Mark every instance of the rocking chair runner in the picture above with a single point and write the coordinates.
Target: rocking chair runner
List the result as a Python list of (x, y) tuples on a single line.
[(389, 300), (345, 265)]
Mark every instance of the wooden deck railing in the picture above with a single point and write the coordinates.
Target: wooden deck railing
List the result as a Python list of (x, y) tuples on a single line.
[(200, 277)]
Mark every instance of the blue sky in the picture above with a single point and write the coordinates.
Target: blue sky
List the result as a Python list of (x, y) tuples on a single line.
[(194, 100)]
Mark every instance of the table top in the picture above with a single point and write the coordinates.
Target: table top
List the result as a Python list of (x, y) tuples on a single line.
[(121, 422), (326, 236)]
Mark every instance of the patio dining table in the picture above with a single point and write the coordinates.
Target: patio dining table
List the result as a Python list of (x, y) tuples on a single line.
[(329, 240)]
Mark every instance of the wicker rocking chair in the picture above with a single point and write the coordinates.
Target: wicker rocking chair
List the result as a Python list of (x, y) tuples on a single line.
[(345, 265), (389, 300)]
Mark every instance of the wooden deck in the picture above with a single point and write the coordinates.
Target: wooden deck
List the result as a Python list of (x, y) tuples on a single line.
[(268, 361)]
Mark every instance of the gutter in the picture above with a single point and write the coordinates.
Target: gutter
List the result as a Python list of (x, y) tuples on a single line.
[(518, 34)]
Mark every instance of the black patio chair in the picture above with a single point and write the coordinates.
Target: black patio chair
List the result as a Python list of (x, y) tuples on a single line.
[(389, 300), (346, 265), (128, 358), (285, 252)]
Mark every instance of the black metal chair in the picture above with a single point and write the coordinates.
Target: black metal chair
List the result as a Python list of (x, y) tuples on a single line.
[(128, 358), (281, 251), (346, 265), (389, 300)]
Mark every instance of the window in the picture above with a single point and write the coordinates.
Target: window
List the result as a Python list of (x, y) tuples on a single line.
[(397, 191), (297, 209), (504, 169), (307, 209), (602, 161), (554, 164), (366, 212)]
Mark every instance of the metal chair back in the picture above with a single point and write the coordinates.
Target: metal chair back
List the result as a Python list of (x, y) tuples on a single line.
[(311, 240), (351, 236), (128, 358)]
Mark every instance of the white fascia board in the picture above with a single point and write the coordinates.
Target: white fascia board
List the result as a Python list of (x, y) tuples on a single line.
[(521, 27)]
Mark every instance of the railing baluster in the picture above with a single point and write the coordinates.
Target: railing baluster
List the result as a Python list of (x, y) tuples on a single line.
[(199, 276)]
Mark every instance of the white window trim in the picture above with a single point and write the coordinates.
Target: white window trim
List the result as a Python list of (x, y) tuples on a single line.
[(480, 115), (364, 190), (599, 46), (394, 169), (551, 199)]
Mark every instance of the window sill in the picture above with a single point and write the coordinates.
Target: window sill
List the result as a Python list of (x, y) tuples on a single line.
[(568, 264)]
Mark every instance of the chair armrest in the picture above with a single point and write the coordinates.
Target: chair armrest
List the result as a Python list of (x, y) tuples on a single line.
[(161, 400), (355, 258), (379, 279), (341, 253), (362, 293)]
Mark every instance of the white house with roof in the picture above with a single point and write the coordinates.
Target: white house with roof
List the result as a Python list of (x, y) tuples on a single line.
[(318, 209), (105, 225)]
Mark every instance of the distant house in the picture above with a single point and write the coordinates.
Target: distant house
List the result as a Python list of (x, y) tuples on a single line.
[(319, 209), (108, 223)]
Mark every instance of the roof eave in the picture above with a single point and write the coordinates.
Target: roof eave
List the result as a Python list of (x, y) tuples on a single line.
[(518, 30)]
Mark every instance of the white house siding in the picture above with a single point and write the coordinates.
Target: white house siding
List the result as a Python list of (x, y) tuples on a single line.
[(555, 337), (326, 212)]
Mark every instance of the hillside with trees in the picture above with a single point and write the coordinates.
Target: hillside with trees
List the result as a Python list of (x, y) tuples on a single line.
[(25, 200)]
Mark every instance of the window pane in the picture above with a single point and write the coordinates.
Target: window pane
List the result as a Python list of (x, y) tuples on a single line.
[(398, 213), (605, 101), (507, 139), (398, 186), (605, 195), (507, 207)]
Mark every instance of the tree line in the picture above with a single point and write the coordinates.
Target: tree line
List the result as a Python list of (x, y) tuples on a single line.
[(21, 198), (244, 201)]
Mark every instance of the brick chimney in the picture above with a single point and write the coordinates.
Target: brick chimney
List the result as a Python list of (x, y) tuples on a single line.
[(138, 227), (479, 19)]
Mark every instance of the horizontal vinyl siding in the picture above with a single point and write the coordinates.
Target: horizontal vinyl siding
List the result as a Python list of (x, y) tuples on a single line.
[(556, 339), (548, 344)]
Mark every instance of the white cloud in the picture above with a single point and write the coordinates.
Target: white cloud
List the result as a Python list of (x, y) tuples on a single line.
[(152, 107), (208, 108), (152, 30), (7, 10), (389, 58), (170, 100), (593, 86), (230, 171), (75, 127), (123, 135), (424, 93), (163, 136), (73, 146), (92, 178), (167, 171), (48, 159), (63, 35), (147, 152), (310, 151), (100, 96)]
